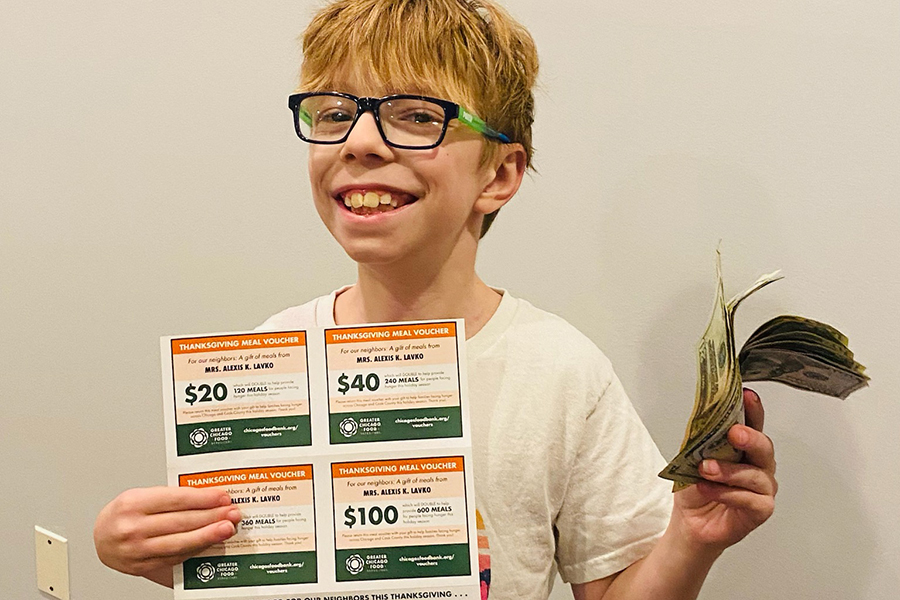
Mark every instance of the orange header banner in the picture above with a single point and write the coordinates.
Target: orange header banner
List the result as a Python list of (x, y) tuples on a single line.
[(393, 332), (248, 341), (397, 467), (243, 476)]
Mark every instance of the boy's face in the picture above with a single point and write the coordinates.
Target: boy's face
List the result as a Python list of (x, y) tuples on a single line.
[(437, 193)]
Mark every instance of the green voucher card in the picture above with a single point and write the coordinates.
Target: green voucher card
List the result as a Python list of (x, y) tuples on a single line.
[(235, 392), (397, 382), (275, 541), (347, 450), (398, 519)]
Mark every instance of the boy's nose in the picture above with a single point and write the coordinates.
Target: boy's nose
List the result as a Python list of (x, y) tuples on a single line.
[(365, 141)]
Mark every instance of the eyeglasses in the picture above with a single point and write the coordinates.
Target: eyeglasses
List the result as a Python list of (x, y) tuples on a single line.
[(404, 121)]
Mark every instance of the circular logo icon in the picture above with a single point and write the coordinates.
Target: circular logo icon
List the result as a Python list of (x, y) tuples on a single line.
[(199, 437), (205, 572), (354, 564), (348, 427)]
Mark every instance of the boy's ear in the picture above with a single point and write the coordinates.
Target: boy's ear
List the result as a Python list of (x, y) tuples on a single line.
[(505, 171)]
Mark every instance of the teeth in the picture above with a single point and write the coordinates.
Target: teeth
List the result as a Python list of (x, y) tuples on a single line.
[(370, 199)]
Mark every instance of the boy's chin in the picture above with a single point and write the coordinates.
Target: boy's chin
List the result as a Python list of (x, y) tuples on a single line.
[(369, 253), (382, 254)]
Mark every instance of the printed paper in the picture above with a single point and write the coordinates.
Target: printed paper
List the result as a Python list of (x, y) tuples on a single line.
[(347, 450)]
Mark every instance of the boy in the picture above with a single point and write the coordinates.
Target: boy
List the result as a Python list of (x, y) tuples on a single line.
[(407, 179)]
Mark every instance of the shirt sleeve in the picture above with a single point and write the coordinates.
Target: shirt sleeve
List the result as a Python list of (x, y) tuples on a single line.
[(615, 507)]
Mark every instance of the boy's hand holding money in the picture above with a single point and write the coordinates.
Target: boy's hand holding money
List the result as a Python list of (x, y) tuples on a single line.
[(734, 498)]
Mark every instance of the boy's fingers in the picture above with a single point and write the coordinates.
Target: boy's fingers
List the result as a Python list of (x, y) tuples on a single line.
[(188, 543), (189, 520), (739, 475), (170, 499), (758, 448), (754, 415), (761, 506)]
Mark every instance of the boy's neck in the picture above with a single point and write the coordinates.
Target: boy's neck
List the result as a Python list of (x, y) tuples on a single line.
[(380, 296)]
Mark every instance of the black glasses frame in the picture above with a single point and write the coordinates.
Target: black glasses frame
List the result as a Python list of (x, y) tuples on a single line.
[(364, 104)]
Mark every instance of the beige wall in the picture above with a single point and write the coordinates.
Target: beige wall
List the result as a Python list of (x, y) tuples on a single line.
[(151, 184)]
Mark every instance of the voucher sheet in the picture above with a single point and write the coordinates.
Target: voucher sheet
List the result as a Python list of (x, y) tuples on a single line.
[(347, 450)]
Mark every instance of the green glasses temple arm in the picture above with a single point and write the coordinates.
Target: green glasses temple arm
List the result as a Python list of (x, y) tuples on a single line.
[(304, 115), (480, 126)]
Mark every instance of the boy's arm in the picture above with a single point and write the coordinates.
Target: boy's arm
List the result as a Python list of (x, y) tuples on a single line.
[(707, 518), (147, 531)]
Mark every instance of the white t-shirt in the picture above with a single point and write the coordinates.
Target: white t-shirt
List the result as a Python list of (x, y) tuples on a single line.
[(565, 472)]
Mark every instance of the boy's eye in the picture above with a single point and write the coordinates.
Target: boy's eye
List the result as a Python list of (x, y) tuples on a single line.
[(421, 117), (335, 115), (408, 112)]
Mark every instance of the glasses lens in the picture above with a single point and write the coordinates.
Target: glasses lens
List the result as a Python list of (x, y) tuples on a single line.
[(325, 118), (411, 122)]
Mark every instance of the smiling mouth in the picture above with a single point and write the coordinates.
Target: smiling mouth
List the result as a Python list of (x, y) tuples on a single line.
[(370, 202)]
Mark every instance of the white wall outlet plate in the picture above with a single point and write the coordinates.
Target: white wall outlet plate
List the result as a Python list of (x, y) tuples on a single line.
[(51, 555)]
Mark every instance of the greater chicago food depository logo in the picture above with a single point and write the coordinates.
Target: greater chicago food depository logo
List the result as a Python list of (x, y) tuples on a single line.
[(354, 564), (199, 437), (348, 427), (205, 572)]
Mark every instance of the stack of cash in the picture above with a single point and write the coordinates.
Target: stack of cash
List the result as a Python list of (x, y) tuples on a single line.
[(800, 352), (804, 354)]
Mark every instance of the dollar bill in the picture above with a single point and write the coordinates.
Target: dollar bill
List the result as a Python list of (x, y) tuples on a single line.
[(718, 402), (791, 323), (804, 354), (826, 347), (799, 352), (802, 372)]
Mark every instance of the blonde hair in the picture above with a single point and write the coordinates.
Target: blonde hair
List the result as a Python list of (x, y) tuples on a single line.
[(469, 51)]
